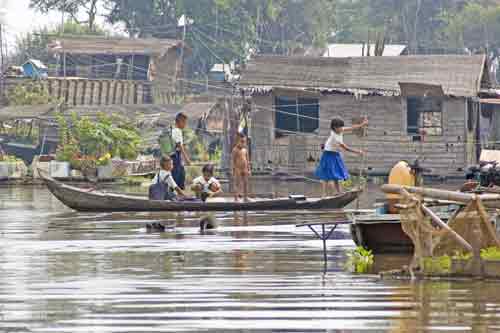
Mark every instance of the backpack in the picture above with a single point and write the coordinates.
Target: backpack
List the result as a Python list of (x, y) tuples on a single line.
[(167, 145), (160, 191)]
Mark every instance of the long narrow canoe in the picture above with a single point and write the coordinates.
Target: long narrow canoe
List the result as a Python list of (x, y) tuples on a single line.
[(84, 201)]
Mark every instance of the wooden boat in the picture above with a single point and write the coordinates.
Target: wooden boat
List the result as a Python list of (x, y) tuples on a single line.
[(382, 233), (86, 201)]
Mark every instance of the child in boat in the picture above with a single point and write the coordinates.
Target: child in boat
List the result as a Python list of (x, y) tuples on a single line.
[(206, 185), (180, 156), (241, 167), (164, 176), (331, 169)]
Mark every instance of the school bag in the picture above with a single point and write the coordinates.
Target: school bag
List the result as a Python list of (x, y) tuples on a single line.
[(160, 191)]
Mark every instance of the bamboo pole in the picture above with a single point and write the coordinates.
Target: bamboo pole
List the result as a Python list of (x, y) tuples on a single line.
[(489, 200), (486, 220), (445, 226)]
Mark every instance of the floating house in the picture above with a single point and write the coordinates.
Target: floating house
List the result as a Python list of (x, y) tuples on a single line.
[(425, 107), (35, 69)]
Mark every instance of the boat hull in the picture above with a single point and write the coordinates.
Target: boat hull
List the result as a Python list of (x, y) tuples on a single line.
[(381, 236), (86, 201)]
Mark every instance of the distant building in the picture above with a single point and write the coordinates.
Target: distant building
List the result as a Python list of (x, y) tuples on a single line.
[(423, 107), (350, 50), (101, 58), (35, 69), (360, 50), (222, 73)]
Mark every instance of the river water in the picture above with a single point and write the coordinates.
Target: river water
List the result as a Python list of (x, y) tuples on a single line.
[(62, 271)]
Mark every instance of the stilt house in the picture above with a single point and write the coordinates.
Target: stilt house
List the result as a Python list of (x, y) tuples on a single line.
[(424, 107)]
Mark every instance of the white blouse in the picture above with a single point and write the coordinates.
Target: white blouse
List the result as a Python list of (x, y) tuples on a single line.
[(166, 177), (334, 141), (206, 185)]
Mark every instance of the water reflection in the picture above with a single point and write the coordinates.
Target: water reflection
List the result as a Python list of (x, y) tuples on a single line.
[(69, 272)]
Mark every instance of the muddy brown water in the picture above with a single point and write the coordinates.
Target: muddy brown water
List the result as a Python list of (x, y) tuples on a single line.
[(62, 271)]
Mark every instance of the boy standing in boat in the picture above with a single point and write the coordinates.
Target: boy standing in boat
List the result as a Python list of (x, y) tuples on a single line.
[(180, 156), (241, 167)]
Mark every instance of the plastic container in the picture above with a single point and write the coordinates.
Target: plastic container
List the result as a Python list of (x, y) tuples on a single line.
[(59, 169)]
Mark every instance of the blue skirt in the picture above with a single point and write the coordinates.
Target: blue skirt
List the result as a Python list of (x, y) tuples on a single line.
[(331, 167)]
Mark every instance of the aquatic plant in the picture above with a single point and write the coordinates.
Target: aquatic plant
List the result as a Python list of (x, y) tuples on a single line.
[(461, 256), (491, 253), (437, 265), (359, 260)]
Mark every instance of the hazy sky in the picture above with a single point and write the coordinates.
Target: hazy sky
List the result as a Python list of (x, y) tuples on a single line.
[(21, 19)]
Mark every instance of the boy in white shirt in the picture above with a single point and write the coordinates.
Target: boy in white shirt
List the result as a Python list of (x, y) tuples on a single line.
[(206, 186), (180, 156)]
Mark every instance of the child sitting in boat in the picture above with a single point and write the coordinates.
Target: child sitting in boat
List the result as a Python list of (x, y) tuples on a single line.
[(206, 185), (331, 169), (163, 186)]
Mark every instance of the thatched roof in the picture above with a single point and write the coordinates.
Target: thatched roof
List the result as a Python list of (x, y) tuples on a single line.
[(458, 75), (114, 46)]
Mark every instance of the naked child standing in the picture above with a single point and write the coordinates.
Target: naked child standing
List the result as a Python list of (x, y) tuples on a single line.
[(241, 167)]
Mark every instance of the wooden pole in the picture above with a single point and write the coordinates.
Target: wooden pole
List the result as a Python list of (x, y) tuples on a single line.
[(486, 220), (488, 200), (445, 226)]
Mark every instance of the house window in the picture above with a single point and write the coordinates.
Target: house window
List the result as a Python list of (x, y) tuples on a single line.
[(296, 114), (424, 116)]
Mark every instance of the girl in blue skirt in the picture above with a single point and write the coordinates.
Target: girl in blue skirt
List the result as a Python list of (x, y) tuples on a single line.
[(331, 169)]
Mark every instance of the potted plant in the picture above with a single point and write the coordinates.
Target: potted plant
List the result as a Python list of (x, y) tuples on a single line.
[(104, 167)]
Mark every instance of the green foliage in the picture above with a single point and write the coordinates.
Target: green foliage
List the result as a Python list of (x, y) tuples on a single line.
[(30, 94), (226, 30), (98, 140), (217, 155), (196, 147), (491, 253), (359, 260), (73, 8), (437, 265)]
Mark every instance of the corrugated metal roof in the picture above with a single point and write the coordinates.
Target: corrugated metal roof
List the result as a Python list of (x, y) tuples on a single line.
[(356, 50), (197, 110), (104, 45), (458, 75), (37, 63)]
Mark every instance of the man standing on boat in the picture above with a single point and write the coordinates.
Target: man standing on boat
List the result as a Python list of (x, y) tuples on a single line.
[(180, 156)]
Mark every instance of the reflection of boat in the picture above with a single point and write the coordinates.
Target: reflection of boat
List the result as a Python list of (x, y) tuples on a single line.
[(83, 200)]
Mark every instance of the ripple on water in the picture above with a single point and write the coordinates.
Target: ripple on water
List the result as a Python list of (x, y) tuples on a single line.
[(69, 272)]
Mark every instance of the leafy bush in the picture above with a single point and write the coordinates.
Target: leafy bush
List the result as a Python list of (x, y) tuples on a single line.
[(97, 141), (359, 260), (30, 94)]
